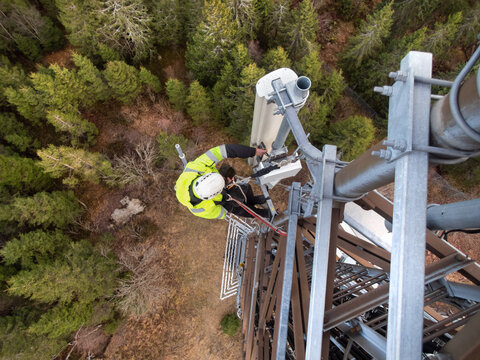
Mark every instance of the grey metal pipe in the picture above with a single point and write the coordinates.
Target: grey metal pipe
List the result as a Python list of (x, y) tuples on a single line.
[(181, 155), (459, 215), (281, 135), (364, 174), (444, 130)]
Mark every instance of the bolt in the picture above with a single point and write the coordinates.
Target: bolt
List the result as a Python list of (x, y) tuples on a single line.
[(383, 154), (398, 144), (398, 75), (384, 90)]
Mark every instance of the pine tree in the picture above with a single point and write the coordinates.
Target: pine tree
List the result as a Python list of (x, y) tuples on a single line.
[(82, 274), (148, 79), (91, 79), (439, 41), (311, 66), (123, 80), (470, 26), (370, 37), (62, 319), (313, 117), (58, 208), (298, 33), (331, 89), (125, 27), (198, 103), (74, 165), (246, 16), (28, 103), (35, 247), (10, 76), (177, 93), (167, 22), (15, 134), (81, 130), (224, 89), (352, 136), (22, 175), (276, 58), (276, 14), (189, 13), (245, 99), (216, 35), (167, 155)]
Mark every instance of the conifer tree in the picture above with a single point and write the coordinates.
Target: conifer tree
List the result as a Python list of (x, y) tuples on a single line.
[(81, 274), (81, 130), (440, 39), (276, 58), (91, 79), (22, 175), (352, 136), (298, 33), (276, 14), (189, 11), (177, 93), (61, 320), (10, 76), (215, 36), (35, 247), (28, 103), (58, 208), (311, 65), (148, 79), (167, 22), (224, 89), (331, 89), (74, 165), (15, 134), (245, 99), (313, 117), (246, 16), (198, 103), (123, 80), (370, 37), (470, 26)]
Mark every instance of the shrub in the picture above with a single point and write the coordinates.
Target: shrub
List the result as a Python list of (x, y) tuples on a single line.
[(230, 324)]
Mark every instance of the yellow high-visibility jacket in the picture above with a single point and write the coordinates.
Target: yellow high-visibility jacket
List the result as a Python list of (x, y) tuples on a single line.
[(206, 163)]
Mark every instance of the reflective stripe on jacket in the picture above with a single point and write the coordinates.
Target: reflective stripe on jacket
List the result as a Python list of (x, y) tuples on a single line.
[(205, 163)]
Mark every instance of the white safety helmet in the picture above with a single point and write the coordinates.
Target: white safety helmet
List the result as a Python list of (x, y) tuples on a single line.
[(208, 186)]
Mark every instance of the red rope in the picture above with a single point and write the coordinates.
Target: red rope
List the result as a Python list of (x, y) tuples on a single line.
[(262, 219)]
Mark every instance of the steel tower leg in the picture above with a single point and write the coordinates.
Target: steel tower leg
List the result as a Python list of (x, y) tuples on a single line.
[(409, 112)]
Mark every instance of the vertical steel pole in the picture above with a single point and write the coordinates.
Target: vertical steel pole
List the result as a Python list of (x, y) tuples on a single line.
[(409, 111), (283, 312), (321, 254)]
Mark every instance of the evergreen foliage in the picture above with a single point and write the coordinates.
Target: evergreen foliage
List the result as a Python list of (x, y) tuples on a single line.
[(198, 103), (74, 165), (150, 80), (276, 58), (224, 91), (10, 76), (34, 248), (91, 79), (23, 28), (246, 16), (299, 30), (82, 275), (230, 324), (14, 133), (244, 95), (120, 26), (123, 80), (177, 93), (352, 136), (275, 16), (81, 130), (167, 155), (24, 176), (440, 39), (470, 26), (215, 36), (371, 34), (27, 102), (58, 208), (313, 117), (62, 319), (167, 21)]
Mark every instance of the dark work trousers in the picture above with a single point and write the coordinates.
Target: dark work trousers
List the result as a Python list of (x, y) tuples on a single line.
[(244, 194)]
